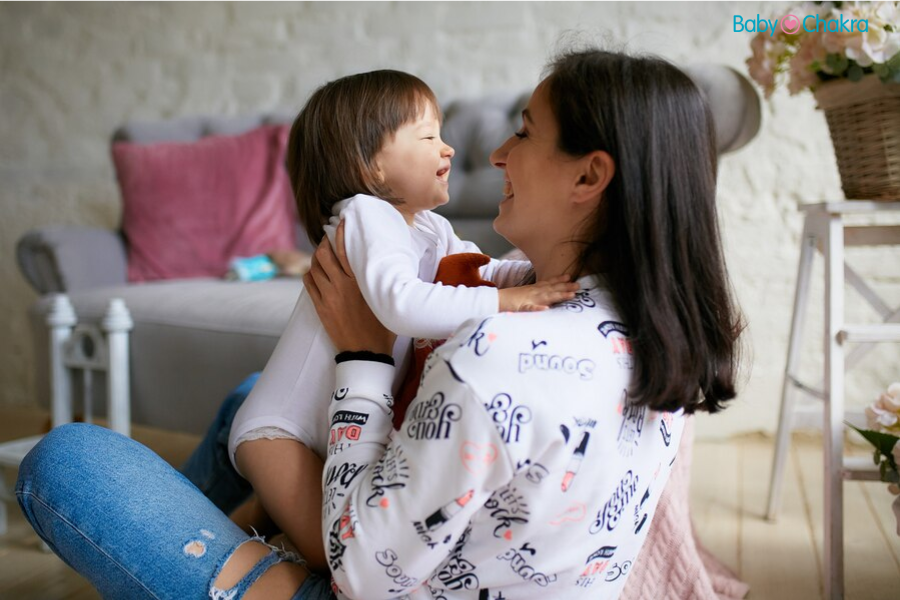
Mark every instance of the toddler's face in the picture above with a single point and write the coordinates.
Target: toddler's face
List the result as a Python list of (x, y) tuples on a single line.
[(415, 165)]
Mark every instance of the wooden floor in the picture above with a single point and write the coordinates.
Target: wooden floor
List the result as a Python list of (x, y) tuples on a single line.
[(780, 561)]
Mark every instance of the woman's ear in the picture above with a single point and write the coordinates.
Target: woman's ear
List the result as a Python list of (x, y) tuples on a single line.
[(597, 170)]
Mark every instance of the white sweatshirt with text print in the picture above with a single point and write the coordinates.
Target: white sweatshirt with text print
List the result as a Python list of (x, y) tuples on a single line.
[(522, 469)]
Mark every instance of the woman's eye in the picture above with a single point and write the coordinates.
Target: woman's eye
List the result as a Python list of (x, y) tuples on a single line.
[(521, 134)]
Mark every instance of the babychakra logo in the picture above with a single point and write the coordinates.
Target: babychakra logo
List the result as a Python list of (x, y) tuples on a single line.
[(791, 24)]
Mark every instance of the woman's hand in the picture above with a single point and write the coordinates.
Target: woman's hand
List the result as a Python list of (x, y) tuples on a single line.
[(347, 318)]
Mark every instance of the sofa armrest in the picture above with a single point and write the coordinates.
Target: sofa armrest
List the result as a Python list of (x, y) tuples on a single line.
[(70, 258)]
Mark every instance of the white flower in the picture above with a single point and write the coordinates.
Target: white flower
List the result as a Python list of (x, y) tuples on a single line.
[(803, 55), (874, 46)]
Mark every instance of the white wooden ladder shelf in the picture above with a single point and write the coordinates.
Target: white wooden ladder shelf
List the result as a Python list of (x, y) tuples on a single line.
[(86, 349), (824, 229)]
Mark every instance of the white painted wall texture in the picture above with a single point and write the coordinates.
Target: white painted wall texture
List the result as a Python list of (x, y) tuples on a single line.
[(71, 72)]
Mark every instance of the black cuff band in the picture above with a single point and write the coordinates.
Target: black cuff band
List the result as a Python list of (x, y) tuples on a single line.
[(364, 355)]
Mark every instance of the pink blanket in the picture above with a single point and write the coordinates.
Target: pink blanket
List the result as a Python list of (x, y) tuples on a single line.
[(673, 565)]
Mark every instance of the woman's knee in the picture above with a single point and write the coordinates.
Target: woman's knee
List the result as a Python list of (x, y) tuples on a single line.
[(64, 455), (64, 451)]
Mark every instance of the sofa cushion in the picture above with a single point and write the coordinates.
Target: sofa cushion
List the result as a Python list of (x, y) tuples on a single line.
[(189, 208), (192, 342)]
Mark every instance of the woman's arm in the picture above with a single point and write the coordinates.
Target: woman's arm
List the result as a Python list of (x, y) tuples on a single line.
[(395, 506)]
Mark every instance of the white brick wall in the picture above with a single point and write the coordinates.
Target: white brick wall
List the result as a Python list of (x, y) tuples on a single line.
[(71, 72)]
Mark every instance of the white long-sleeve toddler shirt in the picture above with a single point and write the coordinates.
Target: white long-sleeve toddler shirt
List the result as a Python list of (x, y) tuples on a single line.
[(394, 264), (521, 470)]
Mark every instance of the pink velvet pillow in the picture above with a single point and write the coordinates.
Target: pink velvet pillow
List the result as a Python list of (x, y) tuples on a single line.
[(190, 208)]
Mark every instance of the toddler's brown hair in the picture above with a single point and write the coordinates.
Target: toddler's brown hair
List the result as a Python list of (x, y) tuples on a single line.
[(337, 135)]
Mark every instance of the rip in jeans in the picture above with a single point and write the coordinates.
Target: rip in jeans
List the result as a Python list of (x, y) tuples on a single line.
[(275, 556)]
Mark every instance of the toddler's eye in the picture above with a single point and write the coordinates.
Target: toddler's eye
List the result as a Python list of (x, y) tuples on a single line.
[(430, 137)]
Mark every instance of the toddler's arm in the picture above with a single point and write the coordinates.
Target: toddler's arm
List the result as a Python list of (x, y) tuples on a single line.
[(537, 296), (509, 274), (503, 272), (506, 273), (381, 252)]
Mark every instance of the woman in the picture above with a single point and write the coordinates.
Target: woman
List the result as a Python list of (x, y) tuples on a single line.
[(532, 459)]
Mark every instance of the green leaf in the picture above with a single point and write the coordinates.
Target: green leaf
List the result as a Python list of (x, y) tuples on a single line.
[(883, 442), (855, 72), (894, 61), (887, 474), (887, 74), (837, 63)]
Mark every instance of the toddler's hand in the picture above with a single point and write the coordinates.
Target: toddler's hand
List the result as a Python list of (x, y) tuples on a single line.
[(539, 296)]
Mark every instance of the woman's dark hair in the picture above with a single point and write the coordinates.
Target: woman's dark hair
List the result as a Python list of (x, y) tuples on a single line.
[(655, 234), (335, 138)]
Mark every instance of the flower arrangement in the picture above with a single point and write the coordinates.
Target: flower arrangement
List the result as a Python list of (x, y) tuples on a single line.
[(814, 54), (883, 419)]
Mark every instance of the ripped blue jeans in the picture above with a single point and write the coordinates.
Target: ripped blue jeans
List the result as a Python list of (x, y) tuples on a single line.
[(132, 525)]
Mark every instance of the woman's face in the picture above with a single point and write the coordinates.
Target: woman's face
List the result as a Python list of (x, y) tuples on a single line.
[(538, 178)]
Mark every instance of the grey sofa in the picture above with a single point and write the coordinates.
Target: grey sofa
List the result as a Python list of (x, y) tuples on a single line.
[(193, 340)]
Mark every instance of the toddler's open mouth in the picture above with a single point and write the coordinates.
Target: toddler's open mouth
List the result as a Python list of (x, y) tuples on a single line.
[(443, 174)]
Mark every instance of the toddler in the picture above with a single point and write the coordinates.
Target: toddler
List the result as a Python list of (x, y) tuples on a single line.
[(366, 149)]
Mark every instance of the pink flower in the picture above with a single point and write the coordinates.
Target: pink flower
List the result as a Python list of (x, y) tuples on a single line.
[(889, 402), (765, 61), (884, 414), (805, 64), (896, 452), (802, 56), (894, 392), (880, 419)]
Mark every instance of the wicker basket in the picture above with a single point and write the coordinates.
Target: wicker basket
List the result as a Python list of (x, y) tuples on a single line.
[(864, 120)]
